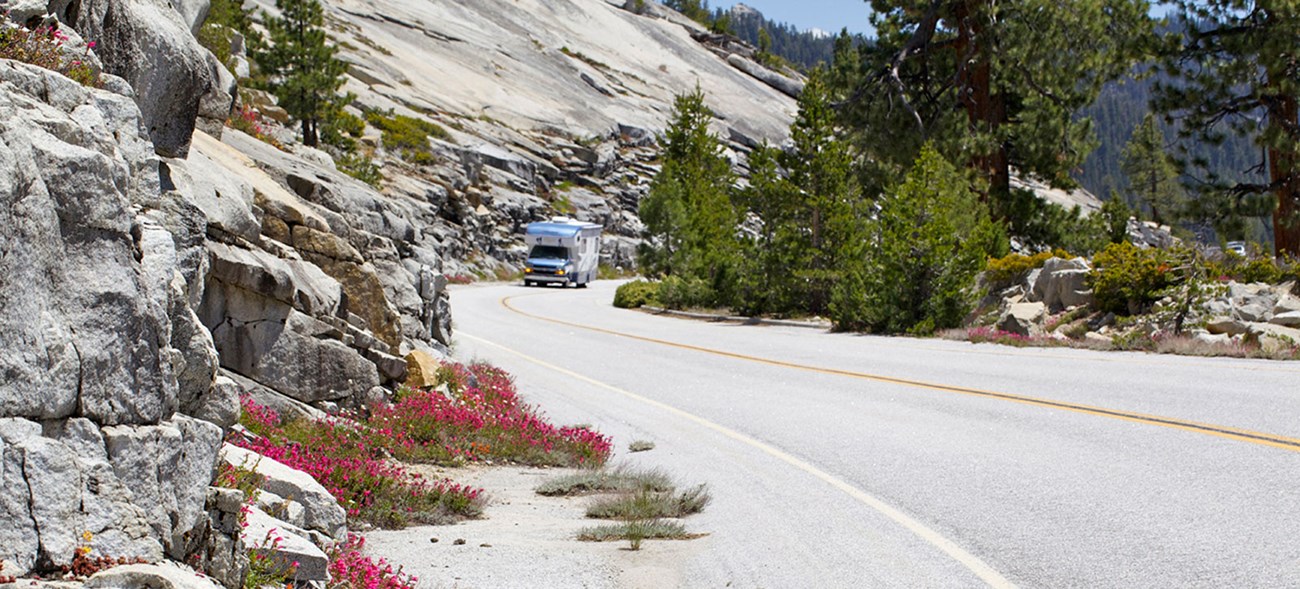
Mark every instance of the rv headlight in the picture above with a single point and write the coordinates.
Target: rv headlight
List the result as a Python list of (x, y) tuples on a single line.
[(528, 269), (559, 272)]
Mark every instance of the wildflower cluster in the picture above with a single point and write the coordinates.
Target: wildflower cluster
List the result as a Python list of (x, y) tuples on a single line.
[(984, 334), (351, 461), (83, 565), (350, 568), (249, 121), (481, 418), (45, 47), (265, 569)]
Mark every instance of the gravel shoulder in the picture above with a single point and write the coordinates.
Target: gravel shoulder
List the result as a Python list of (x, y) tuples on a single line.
[(526, 540)]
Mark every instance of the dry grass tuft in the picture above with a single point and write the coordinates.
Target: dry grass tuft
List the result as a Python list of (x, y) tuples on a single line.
[(622, 479)]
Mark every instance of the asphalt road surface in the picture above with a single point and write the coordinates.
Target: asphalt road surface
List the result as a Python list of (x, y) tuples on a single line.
[(841, 460)]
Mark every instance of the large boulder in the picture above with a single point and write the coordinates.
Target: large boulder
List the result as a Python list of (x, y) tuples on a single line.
[(1023, 318), (1062, 284), (151, 46), (169, 467), (286, 547), (152, 576), (1274, 338)]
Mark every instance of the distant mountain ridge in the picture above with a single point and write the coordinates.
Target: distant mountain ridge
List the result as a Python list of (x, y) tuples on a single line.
[(804, 49)]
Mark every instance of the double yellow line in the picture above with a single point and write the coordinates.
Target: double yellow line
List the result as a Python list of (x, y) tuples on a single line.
[(1231, 433)]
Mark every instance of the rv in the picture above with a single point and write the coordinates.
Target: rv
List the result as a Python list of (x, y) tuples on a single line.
[(562, 251)]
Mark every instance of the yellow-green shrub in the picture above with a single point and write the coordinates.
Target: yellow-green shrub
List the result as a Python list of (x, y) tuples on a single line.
[(1013, 266), (1127, 280), (634, 294)]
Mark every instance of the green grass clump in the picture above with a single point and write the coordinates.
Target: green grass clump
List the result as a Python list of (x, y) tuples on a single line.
[(636, 531), (644, 504), (636, 293), (621, 479)]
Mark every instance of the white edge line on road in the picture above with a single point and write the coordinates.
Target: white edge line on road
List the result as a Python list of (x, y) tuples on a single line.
[(982, 570)]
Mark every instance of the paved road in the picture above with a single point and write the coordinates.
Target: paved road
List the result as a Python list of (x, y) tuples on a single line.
[(854, 461)]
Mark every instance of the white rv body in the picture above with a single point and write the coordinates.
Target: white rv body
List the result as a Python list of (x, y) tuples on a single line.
[(562, 251)]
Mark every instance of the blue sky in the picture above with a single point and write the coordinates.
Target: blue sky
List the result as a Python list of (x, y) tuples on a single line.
[(827, 15), (830, 15)]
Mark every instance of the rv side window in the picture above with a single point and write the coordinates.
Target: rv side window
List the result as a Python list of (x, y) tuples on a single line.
[(549, 252)]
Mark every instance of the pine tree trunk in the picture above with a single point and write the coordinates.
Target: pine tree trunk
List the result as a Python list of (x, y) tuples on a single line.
[(1282, 172), (309, 137), (985, 110)]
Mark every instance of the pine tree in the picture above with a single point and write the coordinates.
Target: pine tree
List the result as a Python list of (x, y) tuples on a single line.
[(829, 202), (992, 85), (300, 65), (1152, 175), (1246, 82), (688, 212), (931, 237)]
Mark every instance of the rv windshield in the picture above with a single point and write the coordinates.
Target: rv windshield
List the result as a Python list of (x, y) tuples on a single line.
[(549, 252)]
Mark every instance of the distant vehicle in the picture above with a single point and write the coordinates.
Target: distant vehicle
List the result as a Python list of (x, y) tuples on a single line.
[(563, 251), (1236, 247)]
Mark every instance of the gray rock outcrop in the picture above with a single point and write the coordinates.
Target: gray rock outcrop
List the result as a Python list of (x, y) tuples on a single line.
[(151, 46), (100, 345)]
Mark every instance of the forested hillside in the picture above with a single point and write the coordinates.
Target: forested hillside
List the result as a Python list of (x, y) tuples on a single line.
[(803, 49)]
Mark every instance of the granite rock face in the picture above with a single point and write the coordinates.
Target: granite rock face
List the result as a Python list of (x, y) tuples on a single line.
[(150, 45), (100, 346)]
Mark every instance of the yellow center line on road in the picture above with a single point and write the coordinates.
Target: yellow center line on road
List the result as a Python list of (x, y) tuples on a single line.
[(971, 562), (1231, 433)]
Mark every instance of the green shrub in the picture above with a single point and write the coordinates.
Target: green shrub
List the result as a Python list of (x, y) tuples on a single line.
[(1127, 280), (408, 136), (1012, 267), (676, 292), (43, 47), (361, 167), (1257, 269), (635, 294)]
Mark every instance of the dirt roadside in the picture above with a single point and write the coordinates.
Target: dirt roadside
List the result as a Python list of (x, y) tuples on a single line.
[(526, 540)]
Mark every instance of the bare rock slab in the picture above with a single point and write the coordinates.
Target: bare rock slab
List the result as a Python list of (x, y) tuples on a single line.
[(321, 511)]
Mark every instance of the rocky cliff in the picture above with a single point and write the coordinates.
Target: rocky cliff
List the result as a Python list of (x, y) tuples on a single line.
[(550, 107), (155, 264)]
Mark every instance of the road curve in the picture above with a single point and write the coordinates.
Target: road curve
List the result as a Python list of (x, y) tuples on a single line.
[(839, 460)]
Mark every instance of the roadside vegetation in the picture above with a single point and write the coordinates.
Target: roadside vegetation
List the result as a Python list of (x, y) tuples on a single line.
[(645, 503), (472, 414), (891, 215)]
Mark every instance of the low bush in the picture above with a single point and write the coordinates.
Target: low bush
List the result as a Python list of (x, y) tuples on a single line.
[(351, 461), (636, 293), (361, 167), (677, 292), (1252, 269), (350, 568), (408, 136), (1012, 267), (481, 419), (1126, 280)]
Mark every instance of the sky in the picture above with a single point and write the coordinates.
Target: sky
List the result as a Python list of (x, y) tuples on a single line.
[(827, 15), (831, 15)]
